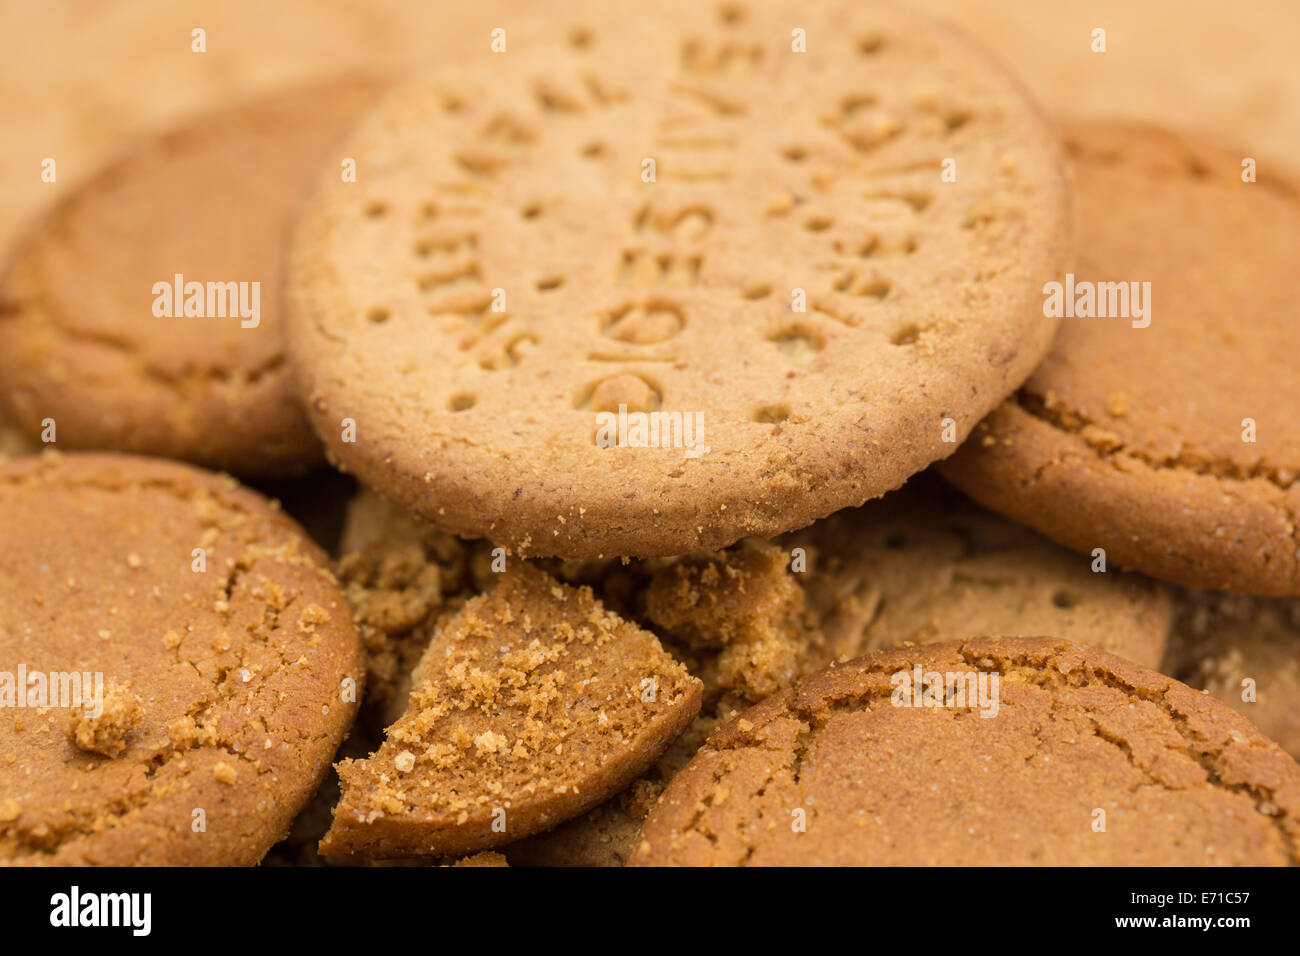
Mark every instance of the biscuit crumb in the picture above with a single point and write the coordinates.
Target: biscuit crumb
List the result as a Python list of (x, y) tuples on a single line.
[(182, 732), (312, 615), (106, 733), (1100, 438), (490, 743)]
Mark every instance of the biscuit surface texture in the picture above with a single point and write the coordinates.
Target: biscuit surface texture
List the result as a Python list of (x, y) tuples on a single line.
[(1174, 447), (1088, 759), (797, 274), (222, 700), (80, 342)]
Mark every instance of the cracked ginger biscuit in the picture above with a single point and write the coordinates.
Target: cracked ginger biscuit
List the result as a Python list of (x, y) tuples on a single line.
[(530, 706), (1071, 757), (223, 643), (87, 338), (1175, 446), (613, 291)]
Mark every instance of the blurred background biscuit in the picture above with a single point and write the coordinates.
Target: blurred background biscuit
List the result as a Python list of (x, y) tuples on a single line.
[(143, 312), (1161, 425)]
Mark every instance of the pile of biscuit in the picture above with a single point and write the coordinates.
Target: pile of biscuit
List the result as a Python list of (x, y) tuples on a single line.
[(747, 433)]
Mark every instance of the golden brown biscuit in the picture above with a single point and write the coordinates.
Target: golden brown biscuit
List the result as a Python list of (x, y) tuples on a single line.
[(531, 705), (92, 336), (1173, 446), (219, 644), (1072, 757), (471, 323)]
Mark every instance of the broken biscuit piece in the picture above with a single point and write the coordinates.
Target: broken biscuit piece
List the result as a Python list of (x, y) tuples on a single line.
[(530, 706)]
